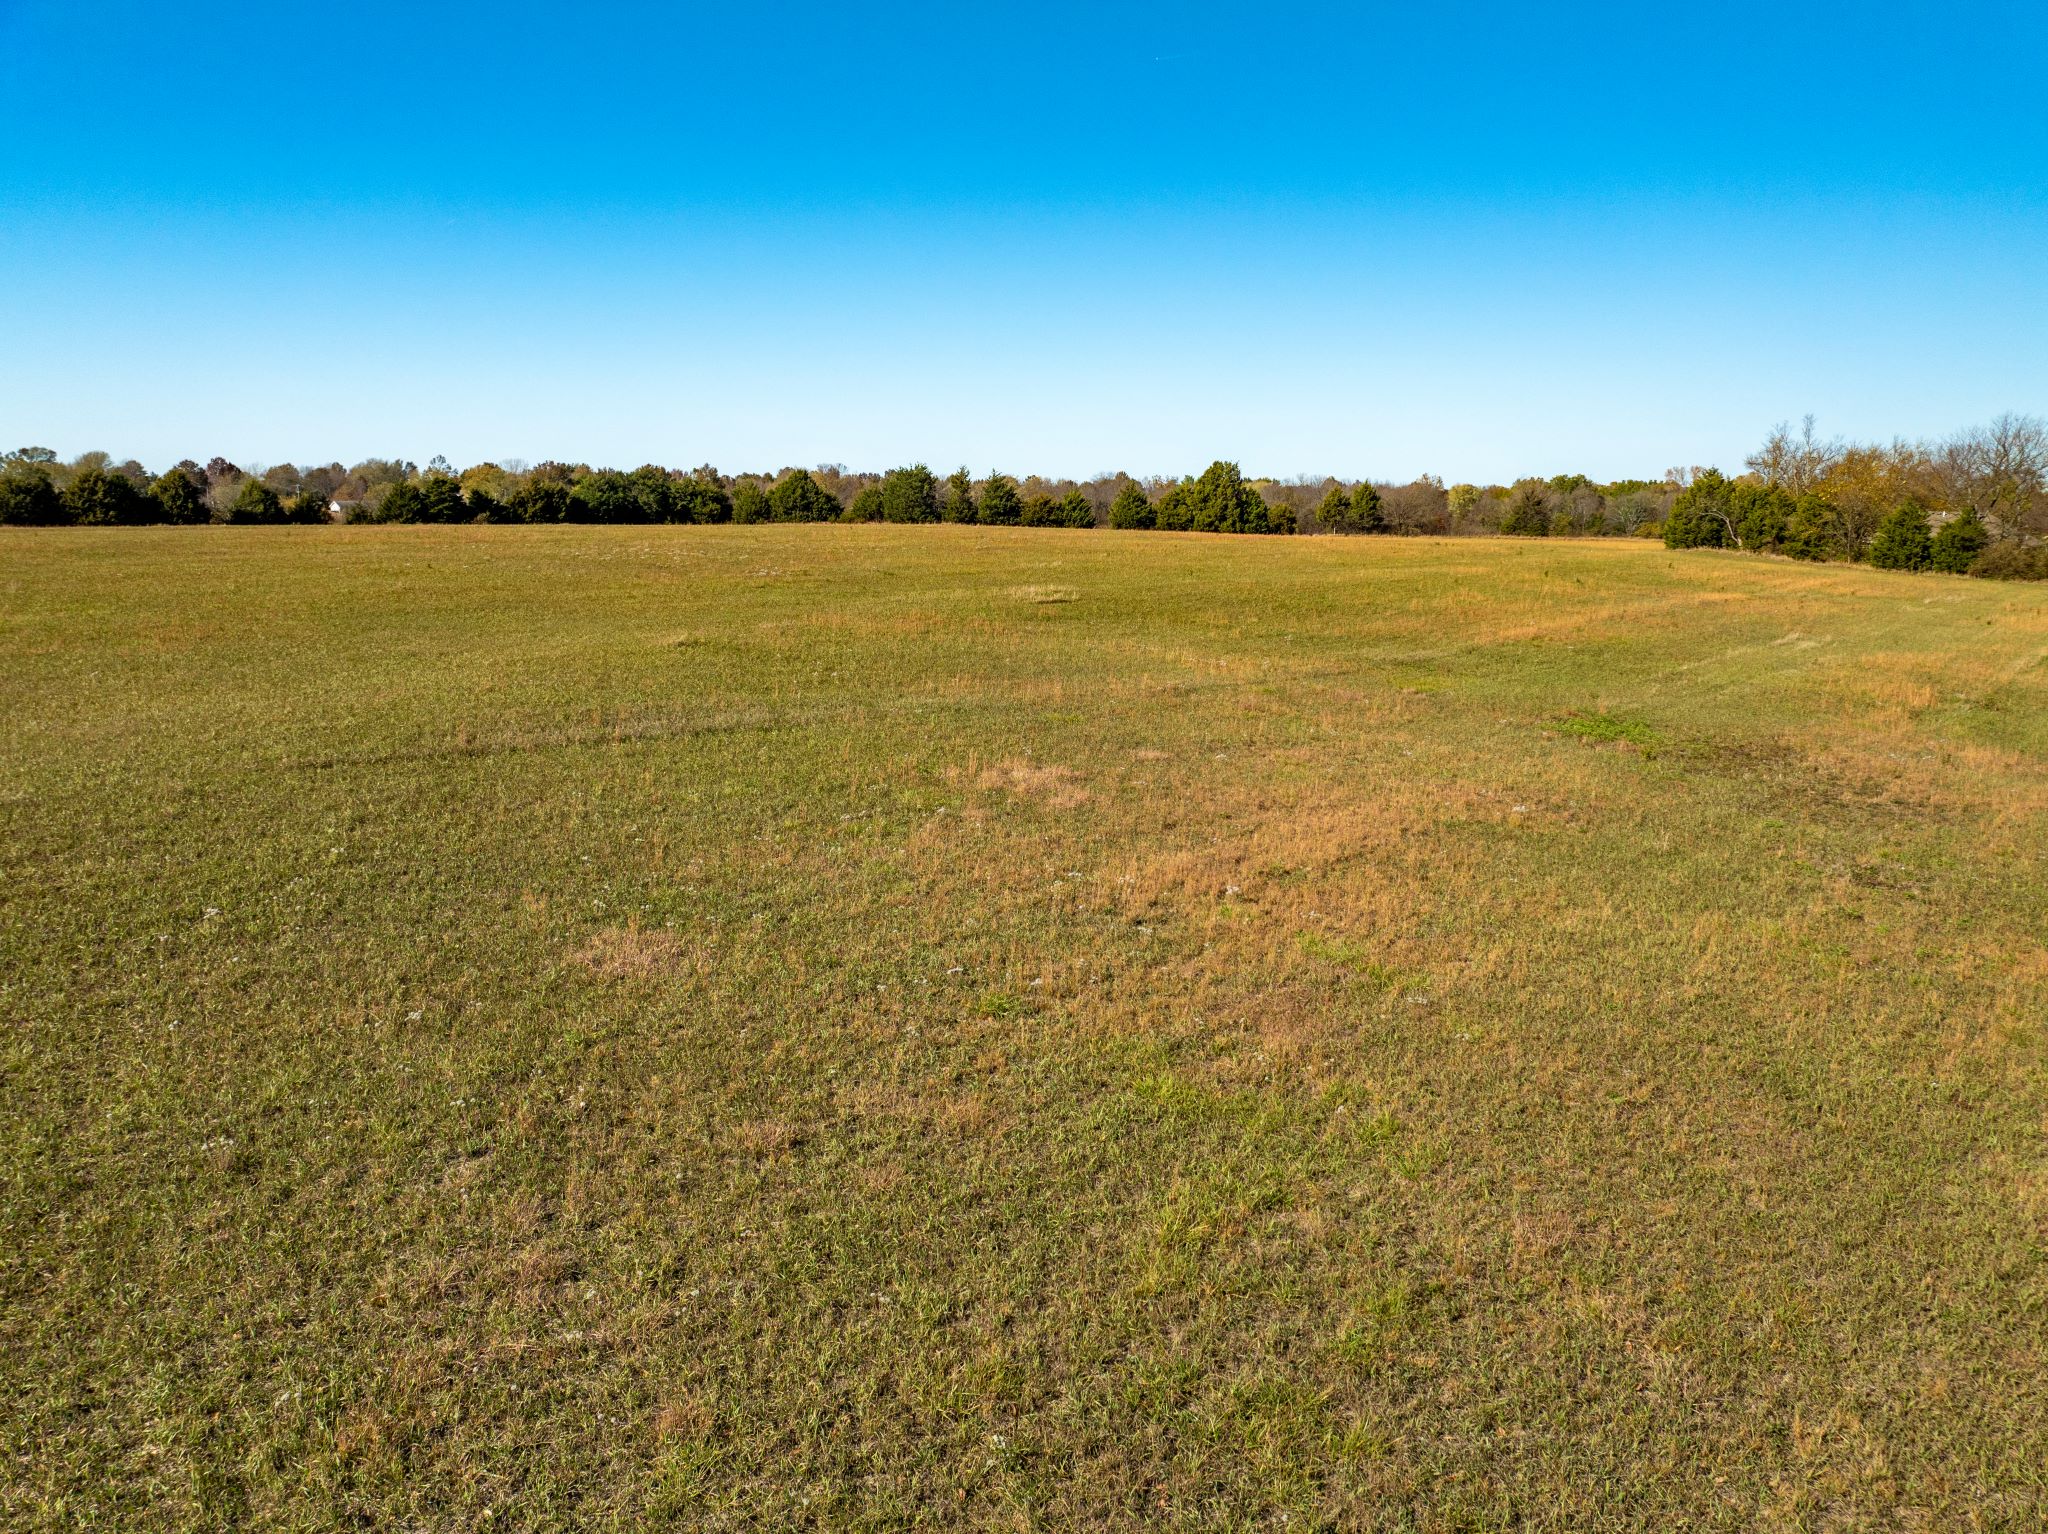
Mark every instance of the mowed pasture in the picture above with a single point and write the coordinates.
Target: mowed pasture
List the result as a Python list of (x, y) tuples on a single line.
[(871, 1028)]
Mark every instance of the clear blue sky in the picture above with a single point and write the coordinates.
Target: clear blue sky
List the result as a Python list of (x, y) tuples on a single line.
[(1474, 239)]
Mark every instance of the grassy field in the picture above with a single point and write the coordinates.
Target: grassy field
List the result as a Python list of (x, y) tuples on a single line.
[(865, 1028)]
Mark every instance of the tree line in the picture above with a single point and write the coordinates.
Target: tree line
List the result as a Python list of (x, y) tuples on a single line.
[(1975, 503), (1972, 504), (36, 489)]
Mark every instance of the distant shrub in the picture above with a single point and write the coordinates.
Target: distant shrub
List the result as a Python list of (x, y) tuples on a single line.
[(2010, 560)]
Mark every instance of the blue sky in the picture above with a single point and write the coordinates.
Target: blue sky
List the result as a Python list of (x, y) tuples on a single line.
[(1473, 239)]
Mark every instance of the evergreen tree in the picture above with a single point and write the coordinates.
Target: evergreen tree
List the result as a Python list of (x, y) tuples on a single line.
[(309, 508), (800, 498), (1698, 517), (255, 505), (1039, 512), (1809, 530), (604, 497), (1528, 514), (27, 498), (700, 500), (1902, 541), (655, 494), (869, 505), (959, 496), (400, 503), (749, 501), (1000, 504), (1761, 514), (910, 495), (1132, 508), (1175, 511), (180, 497), (1075, 511), (539, 499), (1368, 514), (441, 499), (1219, 501), (1958, 543), (96, 498), (1333, 512)]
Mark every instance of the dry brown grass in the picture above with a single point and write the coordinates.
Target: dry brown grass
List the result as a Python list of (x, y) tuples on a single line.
[(1055, 786), (630, 952)]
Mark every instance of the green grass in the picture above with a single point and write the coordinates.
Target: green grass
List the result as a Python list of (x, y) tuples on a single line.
[(1608, 729), (866, 1028)]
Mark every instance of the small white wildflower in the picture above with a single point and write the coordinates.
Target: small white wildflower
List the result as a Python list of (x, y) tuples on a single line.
[(212, 911)]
